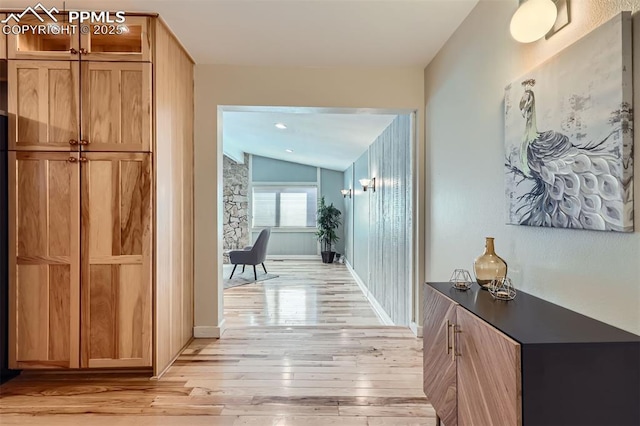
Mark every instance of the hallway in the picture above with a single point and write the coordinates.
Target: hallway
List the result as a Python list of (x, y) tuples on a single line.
[(301, 349)]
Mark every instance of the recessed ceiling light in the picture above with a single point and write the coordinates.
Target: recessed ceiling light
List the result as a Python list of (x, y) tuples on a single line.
[(281, 126), (289, 150)]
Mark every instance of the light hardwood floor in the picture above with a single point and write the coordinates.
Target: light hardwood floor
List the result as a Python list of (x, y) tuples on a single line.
[(302, 349), (305, 293)]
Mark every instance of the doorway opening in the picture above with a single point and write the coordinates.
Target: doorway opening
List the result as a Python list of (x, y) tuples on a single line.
[(278, 164)]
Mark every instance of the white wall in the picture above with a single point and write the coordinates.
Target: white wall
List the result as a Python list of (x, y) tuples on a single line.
[(381, 88), (594, 273)]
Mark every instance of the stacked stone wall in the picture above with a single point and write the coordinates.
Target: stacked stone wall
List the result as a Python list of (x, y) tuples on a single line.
[(236, 204)]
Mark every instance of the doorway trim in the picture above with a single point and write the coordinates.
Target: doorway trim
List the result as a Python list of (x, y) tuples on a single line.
[(418, 225)]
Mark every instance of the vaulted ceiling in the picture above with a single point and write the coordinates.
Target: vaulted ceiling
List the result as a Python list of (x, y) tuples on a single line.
[(328, 140)]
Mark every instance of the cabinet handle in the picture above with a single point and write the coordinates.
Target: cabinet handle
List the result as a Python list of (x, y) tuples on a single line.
[(448, 337), (84, 51), (454, 351), (73, 51), (83, 142), (453, 342), (83, 159), (73, 142), (72, 159)]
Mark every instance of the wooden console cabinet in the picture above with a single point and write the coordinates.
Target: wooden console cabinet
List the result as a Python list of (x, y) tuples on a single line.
[(525, 362)]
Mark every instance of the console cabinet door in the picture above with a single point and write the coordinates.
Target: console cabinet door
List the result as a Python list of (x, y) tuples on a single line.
[(116, 260), (44, 270), (116, 106), (438, 360), (489, 384), (43, 105)]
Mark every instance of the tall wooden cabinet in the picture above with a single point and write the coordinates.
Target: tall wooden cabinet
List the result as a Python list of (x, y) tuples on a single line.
[(525, 362), (85, 234)]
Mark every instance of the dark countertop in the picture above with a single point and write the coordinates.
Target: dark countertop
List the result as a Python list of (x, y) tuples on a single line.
[(531, 320)]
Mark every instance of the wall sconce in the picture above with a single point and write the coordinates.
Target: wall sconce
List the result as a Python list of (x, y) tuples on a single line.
[(345, 193), (536, 18), (366, 183)]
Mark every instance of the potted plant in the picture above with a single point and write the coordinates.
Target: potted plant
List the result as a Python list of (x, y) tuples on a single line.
[(328, 222)]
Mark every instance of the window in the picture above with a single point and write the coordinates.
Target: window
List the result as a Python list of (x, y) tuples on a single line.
[(285, 207)]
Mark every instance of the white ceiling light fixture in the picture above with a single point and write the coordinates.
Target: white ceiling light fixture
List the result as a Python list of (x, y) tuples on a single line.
[(533, 20), (288, 150), (280, 126)]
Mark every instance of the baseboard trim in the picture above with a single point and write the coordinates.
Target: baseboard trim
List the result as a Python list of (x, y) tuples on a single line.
[(208, 332), (416, 329), (159, 375), (377, 308), (293, 257)]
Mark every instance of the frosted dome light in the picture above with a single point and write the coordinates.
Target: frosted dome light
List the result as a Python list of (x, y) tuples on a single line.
[(533, 19)]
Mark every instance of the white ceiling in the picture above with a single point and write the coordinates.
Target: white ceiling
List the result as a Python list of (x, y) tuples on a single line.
[(319, 33), (331, 141), (299, 32)]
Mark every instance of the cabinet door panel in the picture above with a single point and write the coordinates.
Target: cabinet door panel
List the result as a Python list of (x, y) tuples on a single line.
[(44, 260), (116, 106), (489, 385), (44, 45), (43, 105), (439, 363), (116, 275), (127, 42)]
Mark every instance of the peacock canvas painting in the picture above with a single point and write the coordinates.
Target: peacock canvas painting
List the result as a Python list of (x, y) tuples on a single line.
[(569, 136)]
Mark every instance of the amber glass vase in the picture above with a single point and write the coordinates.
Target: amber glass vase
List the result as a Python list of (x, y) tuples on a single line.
[(489, 266)]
